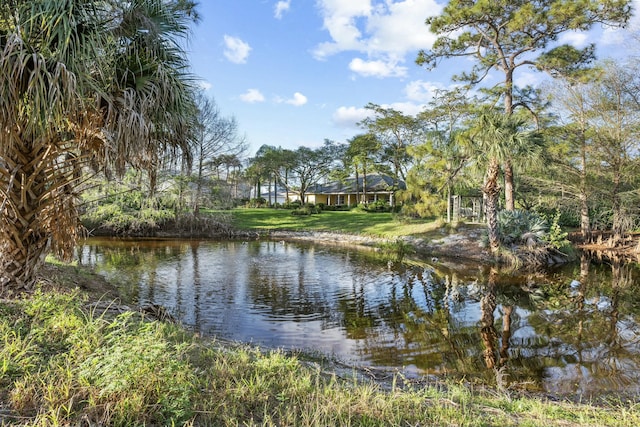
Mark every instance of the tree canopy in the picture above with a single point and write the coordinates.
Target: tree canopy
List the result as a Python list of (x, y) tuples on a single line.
[(100, 83)]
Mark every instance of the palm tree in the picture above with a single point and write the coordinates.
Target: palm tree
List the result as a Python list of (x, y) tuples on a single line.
[(495, 138), (98, 83)]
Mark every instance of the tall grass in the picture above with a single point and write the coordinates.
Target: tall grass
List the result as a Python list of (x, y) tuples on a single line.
[(62, 364)]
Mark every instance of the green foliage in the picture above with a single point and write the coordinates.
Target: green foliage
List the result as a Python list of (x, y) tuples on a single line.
[(517, 226), (429, 206), (257, 202), (59, 363), (306, 210), (292, 205), (397, 249), (377, 206), (121, 221), (136, 360), (556, 237)]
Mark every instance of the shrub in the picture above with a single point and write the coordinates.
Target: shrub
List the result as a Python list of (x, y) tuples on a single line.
[(556, 237), (257, 202), (292, 205), (518, 226), (308, 209), (377, 206), (124, 222)]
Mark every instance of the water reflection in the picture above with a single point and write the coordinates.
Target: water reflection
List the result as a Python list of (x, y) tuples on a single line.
[(571, 331)]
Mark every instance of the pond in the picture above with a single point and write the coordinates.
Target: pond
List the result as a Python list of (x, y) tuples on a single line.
[(570, 331)]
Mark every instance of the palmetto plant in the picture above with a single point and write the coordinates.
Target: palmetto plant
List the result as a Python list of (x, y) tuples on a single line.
[(98, 83), (519, 226)]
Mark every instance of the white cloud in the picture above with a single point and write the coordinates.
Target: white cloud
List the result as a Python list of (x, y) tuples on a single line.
[(236, 50), (574, 38), (298, 100), (252, 96), (386, 31), (339, 19), (399, 27), (406, 108), (377, 68), (620, 37), (527, 78), (350, 116), (612, 37), (421, 91), (281, 7)]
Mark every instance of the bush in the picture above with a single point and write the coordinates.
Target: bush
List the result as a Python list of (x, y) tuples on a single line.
[(258, 202), (296, 204), (518, 226), (336, 208), (308, 209), (377, 206), (120, 221), (556, 237)]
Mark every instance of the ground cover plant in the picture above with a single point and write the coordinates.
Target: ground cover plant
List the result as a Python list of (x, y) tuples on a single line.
[(64, 363)]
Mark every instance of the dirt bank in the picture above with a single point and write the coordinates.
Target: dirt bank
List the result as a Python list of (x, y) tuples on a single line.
[(463, 244)]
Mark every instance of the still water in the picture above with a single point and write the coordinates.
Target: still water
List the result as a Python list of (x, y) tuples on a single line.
[(573, 331)]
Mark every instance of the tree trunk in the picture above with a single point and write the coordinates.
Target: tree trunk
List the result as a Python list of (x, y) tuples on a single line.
[(585, 223), (286, 184), (357, 187), (616, 206), (364, 185), (198, 195), (492, 191), (509, 198), (275, 190), (448, 203), (30, 213)]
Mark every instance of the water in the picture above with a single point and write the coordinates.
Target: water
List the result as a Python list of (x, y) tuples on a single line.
[(573, 331)]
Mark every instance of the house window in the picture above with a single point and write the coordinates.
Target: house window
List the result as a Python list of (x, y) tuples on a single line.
[(340, 199)]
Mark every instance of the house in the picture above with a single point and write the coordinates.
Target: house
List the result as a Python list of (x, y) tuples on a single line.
[(350, 192)]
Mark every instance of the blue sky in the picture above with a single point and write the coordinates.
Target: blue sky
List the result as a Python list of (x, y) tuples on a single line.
[(297, 72)]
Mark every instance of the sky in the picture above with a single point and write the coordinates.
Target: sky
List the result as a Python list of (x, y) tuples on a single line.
[(296, 72)]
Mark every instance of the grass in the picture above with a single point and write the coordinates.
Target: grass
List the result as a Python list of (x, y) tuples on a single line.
[(351, 222), (63, 364)]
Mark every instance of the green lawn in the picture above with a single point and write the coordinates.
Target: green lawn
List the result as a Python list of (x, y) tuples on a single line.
[(352, 222)]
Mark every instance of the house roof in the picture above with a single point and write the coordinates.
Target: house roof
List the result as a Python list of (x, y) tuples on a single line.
[(376, 183)]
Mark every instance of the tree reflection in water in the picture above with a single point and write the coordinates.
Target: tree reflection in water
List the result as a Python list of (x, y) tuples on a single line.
[(574, 330)]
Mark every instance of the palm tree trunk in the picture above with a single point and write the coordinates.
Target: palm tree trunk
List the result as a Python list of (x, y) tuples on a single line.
[(509, 201), (25, 241), (492, 191)]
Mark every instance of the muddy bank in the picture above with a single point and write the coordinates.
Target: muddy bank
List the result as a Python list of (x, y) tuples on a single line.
[(464, 244)]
